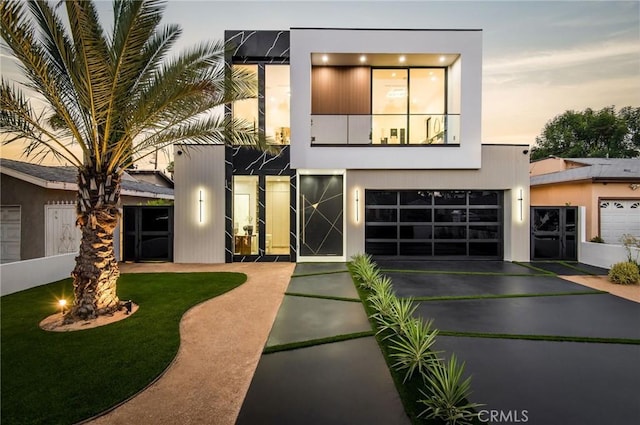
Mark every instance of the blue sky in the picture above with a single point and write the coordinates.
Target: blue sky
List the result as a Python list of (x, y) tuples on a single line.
[(540, 58)]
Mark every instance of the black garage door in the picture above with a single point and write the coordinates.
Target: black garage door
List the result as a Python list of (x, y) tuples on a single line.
[(432, 223)]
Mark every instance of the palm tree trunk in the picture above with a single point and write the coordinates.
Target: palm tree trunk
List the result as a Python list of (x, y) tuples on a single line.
[(96, 271)]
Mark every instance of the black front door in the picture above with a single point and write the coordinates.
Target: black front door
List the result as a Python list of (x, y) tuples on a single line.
[(321, 232), (148, 233), (553, 233)]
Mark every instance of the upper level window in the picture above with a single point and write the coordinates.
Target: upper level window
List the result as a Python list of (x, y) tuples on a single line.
[(378, 99), (277, 112), (247, 109), (408, 105), (269, 110)]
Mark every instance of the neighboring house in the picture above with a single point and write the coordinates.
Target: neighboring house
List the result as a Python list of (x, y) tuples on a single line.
[(378, 134), (38, 208), (156, 177), (608, 188)]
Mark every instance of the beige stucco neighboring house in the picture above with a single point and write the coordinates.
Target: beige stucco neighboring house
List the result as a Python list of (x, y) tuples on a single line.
[(37, 208), (609, 188)]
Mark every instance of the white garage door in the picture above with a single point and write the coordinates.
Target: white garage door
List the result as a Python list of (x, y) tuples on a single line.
[(9, 233), (619, 217)]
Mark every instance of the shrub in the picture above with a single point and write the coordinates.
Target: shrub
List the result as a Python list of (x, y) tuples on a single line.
[(625, 273), (597, 239), (382, 299), (365, 270), (369, 276), (447, 394), (630, 242), (400, 314), (358, 262), (411, 350)]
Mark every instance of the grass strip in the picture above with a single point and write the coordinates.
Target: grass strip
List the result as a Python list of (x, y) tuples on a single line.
[(320, 273), (571, 266), (554, 338), (314, 342), (498, 296), (322, 297), (545, 273), (409, 391), (66, 377), (529, 266)]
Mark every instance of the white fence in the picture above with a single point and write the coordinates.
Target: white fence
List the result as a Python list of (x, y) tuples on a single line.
[(21, 275), (600, 254), (604, 255)]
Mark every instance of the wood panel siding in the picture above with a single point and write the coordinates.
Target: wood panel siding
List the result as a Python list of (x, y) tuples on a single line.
[(340, 90)]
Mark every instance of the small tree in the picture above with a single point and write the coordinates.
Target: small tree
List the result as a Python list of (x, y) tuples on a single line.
[(591, 134), (119, 97)]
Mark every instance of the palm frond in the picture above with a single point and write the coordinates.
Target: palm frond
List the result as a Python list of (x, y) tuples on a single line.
[(43, 76), (19, 121)]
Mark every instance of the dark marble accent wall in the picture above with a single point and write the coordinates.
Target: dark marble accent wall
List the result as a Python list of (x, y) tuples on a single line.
[(260, 48), (254, 46)]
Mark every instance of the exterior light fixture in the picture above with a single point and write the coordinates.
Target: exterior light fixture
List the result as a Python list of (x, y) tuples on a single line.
[(363, 58), (325, 58), (200, 202), (520, 200), (357, 206), (402, 59), (63, 304), (442, 58)]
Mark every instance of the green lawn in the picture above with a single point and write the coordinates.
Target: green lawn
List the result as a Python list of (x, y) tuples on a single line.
[(62, 378)]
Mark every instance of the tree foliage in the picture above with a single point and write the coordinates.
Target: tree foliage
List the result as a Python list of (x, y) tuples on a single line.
[(119, 96), (591, 134)]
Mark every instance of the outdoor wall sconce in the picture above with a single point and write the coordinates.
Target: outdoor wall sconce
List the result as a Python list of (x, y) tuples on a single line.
[(520, 200), (357, 207), (200, 201)]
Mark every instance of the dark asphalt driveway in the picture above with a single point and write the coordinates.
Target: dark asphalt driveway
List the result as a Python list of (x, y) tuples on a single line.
[(532, 381)]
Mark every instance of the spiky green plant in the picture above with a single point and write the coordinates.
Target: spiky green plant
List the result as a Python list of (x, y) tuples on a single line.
[(411, 350), (382, 298), (400, 315), (359, 263), (118, 97), (383, 284), (446, 396), (369, 275)]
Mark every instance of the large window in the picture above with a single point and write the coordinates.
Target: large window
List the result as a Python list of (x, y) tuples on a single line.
[(245, 213), (247, 109), (277, 204), (275, 121), (277, 94), (408, 105)]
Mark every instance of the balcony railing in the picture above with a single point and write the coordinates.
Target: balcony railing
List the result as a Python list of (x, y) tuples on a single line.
[(385, 129)]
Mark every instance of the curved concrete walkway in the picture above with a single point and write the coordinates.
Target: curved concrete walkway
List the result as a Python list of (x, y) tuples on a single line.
[(221, 341)]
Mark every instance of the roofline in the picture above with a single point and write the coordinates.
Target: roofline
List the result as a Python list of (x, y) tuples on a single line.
[(385, 29), (588, 180), (55, 185)]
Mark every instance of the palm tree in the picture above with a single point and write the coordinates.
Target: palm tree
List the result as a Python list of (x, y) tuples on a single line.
[(117, 96)]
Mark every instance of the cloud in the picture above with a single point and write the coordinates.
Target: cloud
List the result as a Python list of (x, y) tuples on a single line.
[(514, 67), (518, 113)]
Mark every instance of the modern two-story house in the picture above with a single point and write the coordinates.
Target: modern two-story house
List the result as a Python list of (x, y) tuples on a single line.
[(378, 139)]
